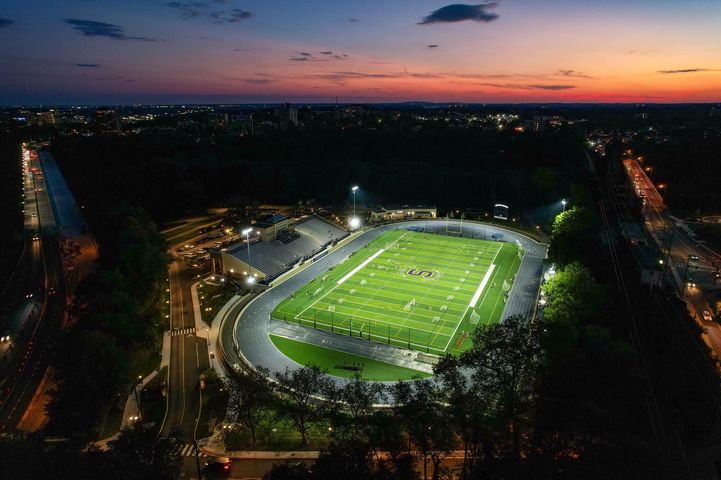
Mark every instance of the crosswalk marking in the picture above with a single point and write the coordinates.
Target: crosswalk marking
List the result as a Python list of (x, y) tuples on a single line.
[(188, 450), (182, 331)]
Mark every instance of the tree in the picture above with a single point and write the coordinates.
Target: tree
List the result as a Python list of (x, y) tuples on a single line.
[(90, 370), (418, 406), (289, 471), (301, 390), (139, 454), (574, 236), (504, 361), (358, 397), (573, 295), (249, 398), (469, 409)]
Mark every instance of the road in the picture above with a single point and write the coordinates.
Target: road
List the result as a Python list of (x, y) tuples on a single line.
[(188, 356), (691, 276), (40, 274)]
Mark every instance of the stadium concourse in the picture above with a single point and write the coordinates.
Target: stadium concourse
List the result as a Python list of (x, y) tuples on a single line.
[(254, 324)]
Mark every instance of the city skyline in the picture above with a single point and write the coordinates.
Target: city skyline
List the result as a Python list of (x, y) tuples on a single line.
[(241, 51)]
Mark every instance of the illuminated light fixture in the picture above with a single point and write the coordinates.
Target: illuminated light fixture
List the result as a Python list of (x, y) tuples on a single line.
[(355, 223)]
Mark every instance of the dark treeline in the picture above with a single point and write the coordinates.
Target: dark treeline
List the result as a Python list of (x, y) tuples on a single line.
[(169, 173), (136, 454), (11, 216), (114, 317)]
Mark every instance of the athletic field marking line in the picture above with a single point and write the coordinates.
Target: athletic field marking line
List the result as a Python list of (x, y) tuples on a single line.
[(367, 319), (479, 290), (509, 292), (338, 284), (469, 305), (367, 261), (438, 327)]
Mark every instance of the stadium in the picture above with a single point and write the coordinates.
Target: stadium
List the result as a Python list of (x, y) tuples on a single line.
[(385, 302)]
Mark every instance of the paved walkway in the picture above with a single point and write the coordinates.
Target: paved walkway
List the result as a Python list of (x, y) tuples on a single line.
[(377, 351)]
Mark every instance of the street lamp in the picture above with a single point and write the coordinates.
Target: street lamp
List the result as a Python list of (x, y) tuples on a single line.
[(247, 233), (354, 189), (564, 202)]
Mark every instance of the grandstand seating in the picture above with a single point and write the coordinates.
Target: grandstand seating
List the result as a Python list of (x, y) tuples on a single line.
[(311, 236)]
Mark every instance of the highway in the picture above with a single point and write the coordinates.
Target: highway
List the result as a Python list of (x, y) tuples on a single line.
[(39, 280), (690, 265)]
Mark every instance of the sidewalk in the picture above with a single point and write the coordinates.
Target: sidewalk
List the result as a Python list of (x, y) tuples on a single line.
[(131, 413), (212, 449)]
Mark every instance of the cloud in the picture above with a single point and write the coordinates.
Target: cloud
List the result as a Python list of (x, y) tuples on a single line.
[(6, 22), (432, 45), (87, 65), (90, 28), (574, 74), (683, 70), (230, 16), (188, 9), (353, 20), (327, 55), (534, 86), (550, 87), (258, 81), (191, 10), (459, 12), (241, 50)]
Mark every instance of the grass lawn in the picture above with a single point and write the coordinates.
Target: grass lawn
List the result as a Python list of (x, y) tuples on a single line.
[(410, 289), (343, 364)]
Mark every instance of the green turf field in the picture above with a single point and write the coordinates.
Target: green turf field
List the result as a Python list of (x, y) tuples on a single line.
[(414, 290), (342, 364)]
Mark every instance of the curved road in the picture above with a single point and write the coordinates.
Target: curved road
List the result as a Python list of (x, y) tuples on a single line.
[(250, 331)]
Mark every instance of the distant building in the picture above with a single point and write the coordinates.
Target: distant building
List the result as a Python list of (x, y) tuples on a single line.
[(535, 125), (47, 118), (107, 121), (293, 115), (403, 212)]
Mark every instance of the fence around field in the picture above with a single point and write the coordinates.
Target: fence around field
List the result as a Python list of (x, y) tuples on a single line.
[(373, 330)]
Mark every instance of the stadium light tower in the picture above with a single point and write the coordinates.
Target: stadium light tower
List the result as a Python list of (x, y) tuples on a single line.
[(251, 280), (354, 189), (564, 202)]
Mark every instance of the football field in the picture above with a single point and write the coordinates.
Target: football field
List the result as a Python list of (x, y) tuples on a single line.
[(414, 290)]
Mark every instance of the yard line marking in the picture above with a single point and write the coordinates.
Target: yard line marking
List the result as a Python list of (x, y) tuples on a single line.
[(344, 278), (360, 266), (366, 262), (469, 305), (477, 295)]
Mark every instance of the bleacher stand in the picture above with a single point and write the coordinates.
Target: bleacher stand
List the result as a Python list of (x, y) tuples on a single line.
[(311, 236)]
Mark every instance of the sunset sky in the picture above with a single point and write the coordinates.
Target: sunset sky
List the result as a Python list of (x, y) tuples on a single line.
[(141, 51)]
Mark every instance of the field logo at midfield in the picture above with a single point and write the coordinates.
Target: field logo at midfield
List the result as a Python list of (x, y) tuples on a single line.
[(420, 273)]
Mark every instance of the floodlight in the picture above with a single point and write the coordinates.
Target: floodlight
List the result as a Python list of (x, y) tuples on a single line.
[(247, 231), (355, 222), (354, 188)]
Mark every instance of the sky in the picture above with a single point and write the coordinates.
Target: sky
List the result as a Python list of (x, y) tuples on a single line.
[(243, 51)]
